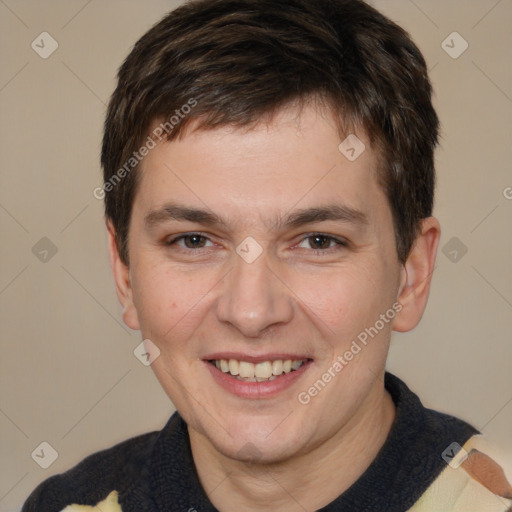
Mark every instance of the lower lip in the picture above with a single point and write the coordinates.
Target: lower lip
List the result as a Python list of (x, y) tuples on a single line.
[(256, 390)]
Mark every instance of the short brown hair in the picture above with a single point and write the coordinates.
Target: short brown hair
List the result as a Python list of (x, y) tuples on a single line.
[(240, 61)]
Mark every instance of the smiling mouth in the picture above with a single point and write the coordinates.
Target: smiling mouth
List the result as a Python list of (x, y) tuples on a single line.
[(264, 371)]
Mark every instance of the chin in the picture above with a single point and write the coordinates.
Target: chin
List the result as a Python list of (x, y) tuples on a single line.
[(258, 442)]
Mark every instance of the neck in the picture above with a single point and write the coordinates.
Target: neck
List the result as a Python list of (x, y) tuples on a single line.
[(290, 485)]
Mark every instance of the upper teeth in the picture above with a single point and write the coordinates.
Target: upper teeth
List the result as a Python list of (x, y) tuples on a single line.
[(263, 370)]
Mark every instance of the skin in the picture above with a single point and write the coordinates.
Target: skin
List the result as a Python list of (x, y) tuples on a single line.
[(300, 296)]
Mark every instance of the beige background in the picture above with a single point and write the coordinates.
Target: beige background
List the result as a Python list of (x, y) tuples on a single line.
[(68, 374)]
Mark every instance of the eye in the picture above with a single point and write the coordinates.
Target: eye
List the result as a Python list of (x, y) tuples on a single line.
[(190, 241), (321, 243)]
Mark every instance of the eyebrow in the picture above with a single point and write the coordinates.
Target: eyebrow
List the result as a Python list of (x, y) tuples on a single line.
[(334, 212), (170, 212)]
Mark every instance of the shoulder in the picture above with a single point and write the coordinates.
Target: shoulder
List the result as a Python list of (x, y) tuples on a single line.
[(449, 466), (472, 481), (92, 480)]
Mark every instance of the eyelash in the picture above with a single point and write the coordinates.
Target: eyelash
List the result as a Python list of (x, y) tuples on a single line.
[(339, 243)]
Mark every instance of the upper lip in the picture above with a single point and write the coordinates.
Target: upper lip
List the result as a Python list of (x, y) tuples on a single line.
[(255, 358)]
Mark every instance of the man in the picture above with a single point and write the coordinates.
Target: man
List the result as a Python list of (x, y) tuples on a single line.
[(268, 185)]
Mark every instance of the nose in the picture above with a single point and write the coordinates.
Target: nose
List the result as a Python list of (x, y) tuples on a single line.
[(254, 298)]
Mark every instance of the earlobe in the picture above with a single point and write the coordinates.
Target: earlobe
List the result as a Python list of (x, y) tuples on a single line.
[(416, 276), (122, 280)]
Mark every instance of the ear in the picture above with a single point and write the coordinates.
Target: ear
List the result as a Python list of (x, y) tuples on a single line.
[(122, 279), (417, 275)]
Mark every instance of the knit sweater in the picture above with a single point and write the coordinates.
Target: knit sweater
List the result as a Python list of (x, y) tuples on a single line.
[(430, 462)]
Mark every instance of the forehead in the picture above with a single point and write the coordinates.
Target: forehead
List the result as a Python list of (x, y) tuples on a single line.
[(296, 160)]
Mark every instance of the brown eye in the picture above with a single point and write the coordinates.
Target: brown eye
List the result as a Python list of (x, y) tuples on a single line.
[(194, 241), (320, 242)]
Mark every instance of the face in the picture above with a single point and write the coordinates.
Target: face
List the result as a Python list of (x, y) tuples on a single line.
[(251, 248)]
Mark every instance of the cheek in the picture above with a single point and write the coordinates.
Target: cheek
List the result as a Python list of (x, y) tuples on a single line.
[(343, 301), (169, 301)]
